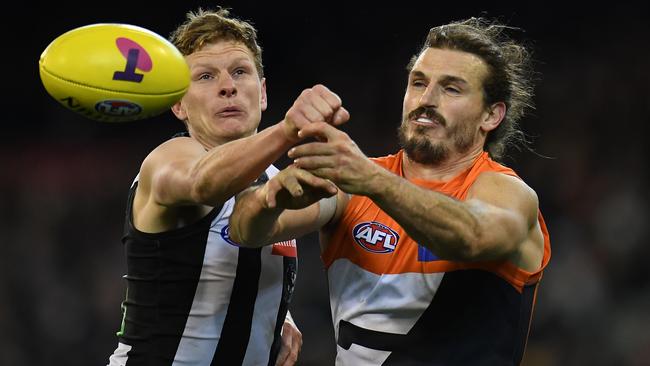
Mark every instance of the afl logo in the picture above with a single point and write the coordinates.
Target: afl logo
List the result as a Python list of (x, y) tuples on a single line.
[(375, 237), (118, 108)]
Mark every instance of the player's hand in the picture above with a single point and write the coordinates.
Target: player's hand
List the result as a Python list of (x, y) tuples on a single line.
[(291, 344), (337, 158), (316, 104), (294, 188)]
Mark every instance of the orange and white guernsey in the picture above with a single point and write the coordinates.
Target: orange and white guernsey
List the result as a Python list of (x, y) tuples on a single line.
[(394, 302)]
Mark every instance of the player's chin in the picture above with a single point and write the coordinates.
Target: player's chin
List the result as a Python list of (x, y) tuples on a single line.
[(236, 129)]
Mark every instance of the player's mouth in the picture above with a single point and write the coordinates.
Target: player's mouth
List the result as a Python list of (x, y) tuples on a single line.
[(424, 120), (426, 116), (231, 111)]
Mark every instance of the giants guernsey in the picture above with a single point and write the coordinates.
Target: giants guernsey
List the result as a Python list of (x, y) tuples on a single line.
[(195, 298), (394, 302)]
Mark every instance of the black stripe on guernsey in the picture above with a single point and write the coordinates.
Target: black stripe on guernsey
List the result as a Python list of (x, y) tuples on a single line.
[(350, 333), (239, 317), (163, 272), (288, 283), (475, 318)]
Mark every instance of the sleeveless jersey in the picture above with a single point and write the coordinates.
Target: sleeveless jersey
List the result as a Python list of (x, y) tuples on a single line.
[(196, 298), (394, 302)]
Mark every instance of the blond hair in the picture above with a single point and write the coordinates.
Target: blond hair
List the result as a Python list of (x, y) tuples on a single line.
[(209, 26)]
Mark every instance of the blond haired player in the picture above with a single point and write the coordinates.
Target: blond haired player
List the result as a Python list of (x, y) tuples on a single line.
[(194, 297)]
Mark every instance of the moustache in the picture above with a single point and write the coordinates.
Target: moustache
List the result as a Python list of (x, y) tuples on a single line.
[(430, 113)]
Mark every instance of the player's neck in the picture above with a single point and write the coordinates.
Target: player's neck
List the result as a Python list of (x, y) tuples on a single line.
[(209, 143), (443, 171)]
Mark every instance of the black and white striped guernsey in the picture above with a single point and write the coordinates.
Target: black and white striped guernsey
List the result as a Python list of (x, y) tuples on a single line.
[(195, 298)]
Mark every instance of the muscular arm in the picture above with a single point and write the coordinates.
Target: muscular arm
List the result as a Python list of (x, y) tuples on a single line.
[(190, 176), (181, 172), (180, 181), (496, 218)]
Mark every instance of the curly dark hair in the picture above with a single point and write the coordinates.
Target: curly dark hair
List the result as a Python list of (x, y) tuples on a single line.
[(510, 73)]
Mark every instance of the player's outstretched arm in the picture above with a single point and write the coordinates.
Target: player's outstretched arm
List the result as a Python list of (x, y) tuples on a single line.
[(290, 205)]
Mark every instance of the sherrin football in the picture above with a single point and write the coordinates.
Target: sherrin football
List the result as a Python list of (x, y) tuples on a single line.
[(114, 72)]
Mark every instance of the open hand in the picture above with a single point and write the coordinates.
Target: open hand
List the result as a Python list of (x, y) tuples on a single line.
[(336, 157), (294, 188)]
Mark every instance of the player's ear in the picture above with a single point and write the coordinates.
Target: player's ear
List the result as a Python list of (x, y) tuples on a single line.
[(493, 116), (179, 110), (263, 102)]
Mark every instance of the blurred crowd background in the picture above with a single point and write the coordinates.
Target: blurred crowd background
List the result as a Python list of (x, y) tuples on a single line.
[(64, 179)]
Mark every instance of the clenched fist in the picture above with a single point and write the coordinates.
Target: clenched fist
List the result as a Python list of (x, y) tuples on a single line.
[(317, 104)]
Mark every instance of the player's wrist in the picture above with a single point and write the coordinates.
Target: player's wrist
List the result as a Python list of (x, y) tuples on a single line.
[(378, 182), (290, 131)]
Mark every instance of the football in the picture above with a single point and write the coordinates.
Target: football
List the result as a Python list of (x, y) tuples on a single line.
[(114, 72)]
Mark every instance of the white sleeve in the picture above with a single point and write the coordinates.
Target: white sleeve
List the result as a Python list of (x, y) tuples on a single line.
[(327, 209)]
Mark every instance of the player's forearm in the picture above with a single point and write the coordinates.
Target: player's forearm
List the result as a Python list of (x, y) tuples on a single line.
[(450, 228), (252, 224), (230, 168)]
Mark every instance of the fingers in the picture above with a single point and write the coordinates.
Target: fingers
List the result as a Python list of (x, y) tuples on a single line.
[(340, 117), (326, 102), (316, 104), (322, 184), (328, 174), (272, 188), (332, 109), (336, 141), (296, 187), (286, 182), (312, 148), (291, 184), (320, 131), (291, 344), (315, 162), (283, 355), (307, 179)]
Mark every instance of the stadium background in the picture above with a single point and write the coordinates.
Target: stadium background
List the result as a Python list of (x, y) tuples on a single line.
[(64, 178)]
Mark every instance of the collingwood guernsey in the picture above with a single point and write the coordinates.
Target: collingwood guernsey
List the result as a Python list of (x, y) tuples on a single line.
[(196, 298)]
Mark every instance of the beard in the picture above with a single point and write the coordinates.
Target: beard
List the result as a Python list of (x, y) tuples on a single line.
[(420, 149)]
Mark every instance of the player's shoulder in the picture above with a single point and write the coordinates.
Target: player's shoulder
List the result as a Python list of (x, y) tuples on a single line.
[(493, 181), (177, 147), (171, 150), (387, 161)]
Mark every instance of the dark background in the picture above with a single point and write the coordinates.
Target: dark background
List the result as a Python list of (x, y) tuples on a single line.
[(65, 178)]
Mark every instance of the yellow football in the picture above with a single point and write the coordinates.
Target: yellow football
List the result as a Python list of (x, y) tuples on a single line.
[(114, 72)]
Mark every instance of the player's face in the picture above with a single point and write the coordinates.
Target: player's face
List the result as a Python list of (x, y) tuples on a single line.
[(226, 96), (443, 106)]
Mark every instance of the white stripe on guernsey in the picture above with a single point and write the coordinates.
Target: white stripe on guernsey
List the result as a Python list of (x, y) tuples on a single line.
[(210, 304), (119, 357), (208, 312), (360, 356), (269, 295), (388, 303)]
